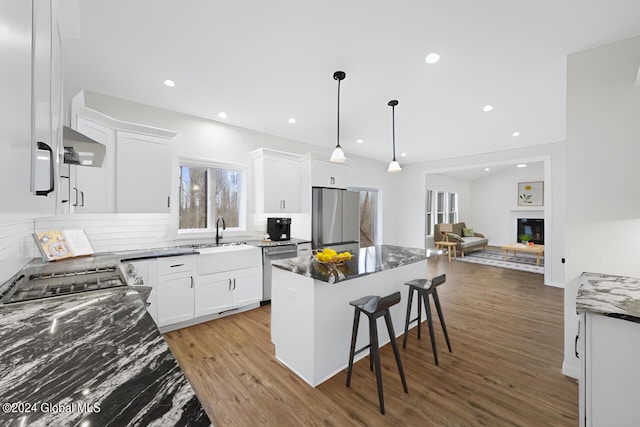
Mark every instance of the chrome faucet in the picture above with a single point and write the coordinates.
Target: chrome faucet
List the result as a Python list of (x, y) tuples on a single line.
[(224, 227)]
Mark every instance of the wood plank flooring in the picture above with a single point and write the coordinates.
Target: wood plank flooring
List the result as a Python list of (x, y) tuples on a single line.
[(506, 331)]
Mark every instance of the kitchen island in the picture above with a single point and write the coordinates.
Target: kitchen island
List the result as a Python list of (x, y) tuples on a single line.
[(91, 359), (311, 319)]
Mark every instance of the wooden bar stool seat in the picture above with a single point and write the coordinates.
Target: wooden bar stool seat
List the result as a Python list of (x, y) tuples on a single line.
[(374, 307), (424, 288)]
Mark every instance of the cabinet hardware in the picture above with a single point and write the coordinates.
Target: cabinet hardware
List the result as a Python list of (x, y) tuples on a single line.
[(234, 284), (176, 265), (230, 284), (282, 204), (81, 198), (575, 344), (45, 147), (333, 180), (191, 282), (76, 191), (168, 201), (65, 177)]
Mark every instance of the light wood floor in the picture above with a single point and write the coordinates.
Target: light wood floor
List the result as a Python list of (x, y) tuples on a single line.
[(506, 330)]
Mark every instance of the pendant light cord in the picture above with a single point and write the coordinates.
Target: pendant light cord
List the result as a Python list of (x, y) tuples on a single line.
[(338, 127), (393, 127)]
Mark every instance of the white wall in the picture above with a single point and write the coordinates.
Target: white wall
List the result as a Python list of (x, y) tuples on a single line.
[(603, 148), (494, 202)]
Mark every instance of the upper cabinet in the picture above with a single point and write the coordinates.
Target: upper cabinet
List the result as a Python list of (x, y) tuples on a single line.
[(327, 174), (136, 173), (276, 179), (29, 167), (143, 177)]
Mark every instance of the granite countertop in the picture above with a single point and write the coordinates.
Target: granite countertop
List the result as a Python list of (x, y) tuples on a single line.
[(94, 358), (263, 243), (613, 296), (368, 260)]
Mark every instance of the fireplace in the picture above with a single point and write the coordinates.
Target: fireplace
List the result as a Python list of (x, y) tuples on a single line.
[(532, 227)]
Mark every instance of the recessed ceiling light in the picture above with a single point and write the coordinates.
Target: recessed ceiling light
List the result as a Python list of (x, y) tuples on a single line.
[(359, 141), (292, 120), (169, 83), (487, 107), (487, 169), (516, 134), (522, 165), (432, 58), (222, 115), (403, 154)]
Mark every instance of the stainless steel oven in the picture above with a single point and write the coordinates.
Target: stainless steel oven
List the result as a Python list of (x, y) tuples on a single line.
[(275, 251)]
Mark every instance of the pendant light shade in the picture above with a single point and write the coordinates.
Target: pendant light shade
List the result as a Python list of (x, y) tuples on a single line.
[(338, 154), (394, 166)]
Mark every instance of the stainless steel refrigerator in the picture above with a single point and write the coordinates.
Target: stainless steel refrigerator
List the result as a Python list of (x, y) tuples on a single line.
[(335, 217)]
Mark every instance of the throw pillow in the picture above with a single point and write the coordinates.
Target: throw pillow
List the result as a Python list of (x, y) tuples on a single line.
[(467, 232), (453, 237)]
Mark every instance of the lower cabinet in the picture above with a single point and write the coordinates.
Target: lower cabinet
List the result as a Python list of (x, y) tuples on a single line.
[(175, 289), (610, 372), (193, 288), (219, 292)]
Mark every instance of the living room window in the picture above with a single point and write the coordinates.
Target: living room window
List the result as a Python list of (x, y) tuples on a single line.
[(208, 191), (441, 207)]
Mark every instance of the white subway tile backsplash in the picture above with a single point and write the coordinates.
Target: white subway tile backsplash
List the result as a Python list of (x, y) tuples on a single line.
[(16, 246), (115, 232)]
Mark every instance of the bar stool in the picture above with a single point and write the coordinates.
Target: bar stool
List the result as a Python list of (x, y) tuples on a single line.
[(375, 307), (424, 288)]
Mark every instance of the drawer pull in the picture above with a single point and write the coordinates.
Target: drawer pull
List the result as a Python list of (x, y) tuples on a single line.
[(176, 265)]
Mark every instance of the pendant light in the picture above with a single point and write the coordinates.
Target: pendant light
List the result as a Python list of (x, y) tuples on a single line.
[(394, 166), (338, 155)]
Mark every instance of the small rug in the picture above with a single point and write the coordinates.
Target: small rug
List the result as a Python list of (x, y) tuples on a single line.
[(495, 258)]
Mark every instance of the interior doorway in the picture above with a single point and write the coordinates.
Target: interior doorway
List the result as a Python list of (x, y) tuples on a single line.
[(369, 224)]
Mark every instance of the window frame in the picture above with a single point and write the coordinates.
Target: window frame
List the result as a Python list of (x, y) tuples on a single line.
[(211, 165)]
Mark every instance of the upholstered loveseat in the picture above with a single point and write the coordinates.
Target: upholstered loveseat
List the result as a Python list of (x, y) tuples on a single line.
[(473, 241)]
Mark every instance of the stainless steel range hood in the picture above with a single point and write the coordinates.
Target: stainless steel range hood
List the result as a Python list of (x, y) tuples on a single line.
[(81, 150)]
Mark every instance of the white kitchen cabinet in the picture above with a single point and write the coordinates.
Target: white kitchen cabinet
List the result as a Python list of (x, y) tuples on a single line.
[(213, 294), (610, 349), (327, 174), (92, 189), (228, 278), (143, 178), (175, 289), (276, 178), (216, 293)]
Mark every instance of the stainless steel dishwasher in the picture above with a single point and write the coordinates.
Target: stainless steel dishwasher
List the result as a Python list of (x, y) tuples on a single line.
[(270, 253)]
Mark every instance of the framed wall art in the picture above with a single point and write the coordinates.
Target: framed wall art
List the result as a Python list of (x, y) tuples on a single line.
[(531, 193)]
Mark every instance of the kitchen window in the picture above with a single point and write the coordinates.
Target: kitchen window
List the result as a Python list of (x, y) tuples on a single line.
[(208, 191)]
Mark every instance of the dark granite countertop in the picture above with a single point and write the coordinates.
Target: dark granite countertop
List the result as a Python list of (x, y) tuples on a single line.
[(368, 260), (609, 295), (265, 243), (154, 253), (95, 357)]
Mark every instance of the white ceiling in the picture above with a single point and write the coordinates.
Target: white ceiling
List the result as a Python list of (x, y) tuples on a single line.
[(263, 62)]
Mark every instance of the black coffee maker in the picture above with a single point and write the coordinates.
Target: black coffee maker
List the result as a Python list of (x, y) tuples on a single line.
[(279, 228)]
